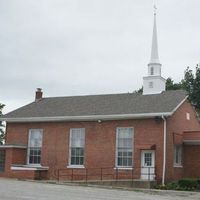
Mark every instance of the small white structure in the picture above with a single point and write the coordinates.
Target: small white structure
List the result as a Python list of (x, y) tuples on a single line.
[(154, 83)]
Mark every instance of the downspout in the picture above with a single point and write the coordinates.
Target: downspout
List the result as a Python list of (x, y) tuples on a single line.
[(164, 149)]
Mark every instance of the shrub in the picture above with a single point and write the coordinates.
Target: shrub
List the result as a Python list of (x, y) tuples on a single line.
[(169, 186), (188, 184), (182, 184)]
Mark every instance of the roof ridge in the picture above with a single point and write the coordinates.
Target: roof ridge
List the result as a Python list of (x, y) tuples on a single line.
[(112, 94), (93, 95)]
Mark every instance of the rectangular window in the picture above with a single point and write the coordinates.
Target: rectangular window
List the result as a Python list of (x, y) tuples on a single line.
[(188, 116), (152, 70), (34, 146), (148, 159), (124, 147), (2, 161), (77, 144), (177, 155), (150, 84)]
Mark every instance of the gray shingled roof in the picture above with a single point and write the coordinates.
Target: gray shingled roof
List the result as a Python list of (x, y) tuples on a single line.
[(108, 104)]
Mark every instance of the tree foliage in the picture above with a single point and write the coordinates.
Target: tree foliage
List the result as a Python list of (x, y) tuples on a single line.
[(2, 133), (170, 85), (191, 83)]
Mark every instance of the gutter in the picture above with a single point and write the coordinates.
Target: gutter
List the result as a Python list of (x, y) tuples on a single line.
[(86, 118), (164, 149)]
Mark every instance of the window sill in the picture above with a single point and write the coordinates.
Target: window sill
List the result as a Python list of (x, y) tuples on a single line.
[(178, 166), (34, 165), (28, 167), (76, 166), (124, 168)]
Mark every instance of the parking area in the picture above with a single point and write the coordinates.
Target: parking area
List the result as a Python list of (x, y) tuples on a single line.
[(24, 190)]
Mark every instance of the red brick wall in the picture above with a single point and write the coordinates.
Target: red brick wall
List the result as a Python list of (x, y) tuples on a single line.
[(100, 141), (177, 124), (19, 156), (192, 161)]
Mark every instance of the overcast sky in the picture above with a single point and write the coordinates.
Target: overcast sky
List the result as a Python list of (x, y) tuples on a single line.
[(80, 47)]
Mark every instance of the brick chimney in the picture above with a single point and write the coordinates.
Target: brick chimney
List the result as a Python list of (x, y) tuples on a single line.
[(38, 94)]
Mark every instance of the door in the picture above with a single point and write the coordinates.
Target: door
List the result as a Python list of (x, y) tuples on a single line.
[(148, 164)]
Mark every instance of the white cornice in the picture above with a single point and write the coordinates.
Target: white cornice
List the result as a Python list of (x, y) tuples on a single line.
[(87, 118), (16, 146)]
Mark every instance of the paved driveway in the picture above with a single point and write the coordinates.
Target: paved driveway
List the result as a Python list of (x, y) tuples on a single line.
[(23, 190)]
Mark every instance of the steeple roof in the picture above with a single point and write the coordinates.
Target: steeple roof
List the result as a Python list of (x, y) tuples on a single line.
[(154, 49)]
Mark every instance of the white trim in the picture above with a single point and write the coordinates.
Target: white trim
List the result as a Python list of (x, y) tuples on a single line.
[(28, 168), (76, 166), (153, 76), (87, 118), (178, 166), (124, 168), (23, 168), (13, 146)]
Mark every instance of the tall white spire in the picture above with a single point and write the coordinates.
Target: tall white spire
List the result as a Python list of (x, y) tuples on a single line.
[(154, 49), (154, 83)]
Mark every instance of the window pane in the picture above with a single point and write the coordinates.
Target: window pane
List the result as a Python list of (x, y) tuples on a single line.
[(77, 137), (177, 154), (119, 161), (81, 160), (129, 162), (35, 145), (124, 147), (72, 160), (148, 159), (34, 155), (2, 160), (35, 138), (77, 142)]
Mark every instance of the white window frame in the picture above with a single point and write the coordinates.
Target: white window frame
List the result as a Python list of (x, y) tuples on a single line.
[(28, 149), (179, 148), (116, 149), (70, 141)]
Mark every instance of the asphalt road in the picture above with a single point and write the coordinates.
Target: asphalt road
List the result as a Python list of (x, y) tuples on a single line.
[(23, 190)]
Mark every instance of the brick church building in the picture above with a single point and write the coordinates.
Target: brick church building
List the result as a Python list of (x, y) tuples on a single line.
[(150, 136)]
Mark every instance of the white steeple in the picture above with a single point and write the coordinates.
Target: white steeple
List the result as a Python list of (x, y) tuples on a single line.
[(154, 48), (154, 83)]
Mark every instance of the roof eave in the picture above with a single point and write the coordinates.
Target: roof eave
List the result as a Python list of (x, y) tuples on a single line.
[(88, 118)]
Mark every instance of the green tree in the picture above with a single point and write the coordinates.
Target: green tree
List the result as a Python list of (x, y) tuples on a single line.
[(2, 133), (170, 85), (191, 83)]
